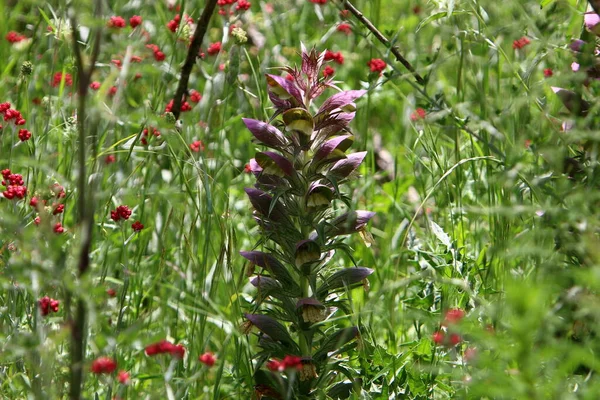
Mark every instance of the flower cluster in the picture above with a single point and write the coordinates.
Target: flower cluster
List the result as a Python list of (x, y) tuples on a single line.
[(228, 7), (59, 77), (520, 43), (11, 114), (14, 37), (15, 186), (448, 336), (377, 65), (104, 365), (333, 56), (299, 180), (121, 212), (48, 305), (165, 347)]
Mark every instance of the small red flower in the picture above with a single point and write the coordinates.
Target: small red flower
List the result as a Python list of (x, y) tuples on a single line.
[(520, 43), (123, 377), (24, 135), (195, 96), (14, 37), (247, 168), (328, 71), (118, 63), (95, 85), (109, 159), (59, 209), (214, 49), (336, 57), (418, 114), (455, 339), (344, 28), (104, 365), (135, 21), (137, 226), (116, 22), (33, 202), (453, 316), (121, 212), (292, 362), (243, 5), (173, 24), (275, 365), (112, 91), (377, 65), (48, 305), (438, 337), (58, 78), (197, 146), (111, 292), (159, 56), (37, 220), (58, 228), (207, 359), (548, 72), (319, 1), (164, 347)]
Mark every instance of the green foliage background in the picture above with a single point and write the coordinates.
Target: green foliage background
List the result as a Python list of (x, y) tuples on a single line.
[(489, 218)]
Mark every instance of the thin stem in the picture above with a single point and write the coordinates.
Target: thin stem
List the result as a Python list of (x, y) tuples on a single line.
[(85, 210), (363, 20), (192, 54)]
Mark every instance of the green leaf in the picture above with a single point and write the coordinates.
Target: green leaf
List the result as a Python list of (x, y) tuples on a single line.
[(335, 341)]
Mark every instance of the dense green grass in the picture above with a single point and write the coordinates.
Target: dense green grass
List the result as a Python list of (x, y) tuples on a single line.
[(476, 209)]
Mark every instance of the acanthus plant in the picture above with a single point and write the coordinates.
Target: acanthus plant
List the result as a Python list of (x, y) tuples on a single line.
[(299, 288)]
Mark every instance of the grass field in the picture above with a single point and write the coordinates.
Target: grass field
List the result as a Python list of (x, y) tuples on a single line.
[(126, 229)]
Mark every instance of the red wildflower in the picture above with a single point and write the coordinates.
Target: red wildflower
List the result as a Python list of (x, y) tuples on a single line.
[(137, 226), (548, 72), (243, 5), (418, 114), (520, 43), (135, 21), (214, 48), (174, 23), (104, 365), (95, 85), (377, 65), (455, 339), (4, 107), (116, 22), (319, 1), (195, 96), (344, 28), (438, 337), (164, 347), (292, 362), (33, 202), (121, 212), (247, 168), (59, 77), (328, 71), (14, 37), (159, 55), (118, 63), (337, 57), (37, 220), (123, 377), (58, 228), (453, 316), (48, 305), (111, 292), (109, 159), (112, 91), (197, 146), (207, 359), (24, 135), (59, 209)]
